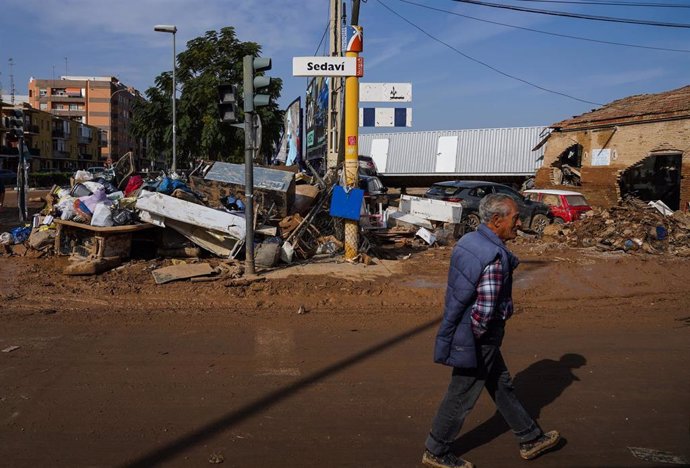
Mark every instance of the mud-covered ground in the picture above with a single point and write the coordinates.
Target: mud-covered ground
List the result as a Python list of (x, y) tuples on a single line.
[(114, 370)]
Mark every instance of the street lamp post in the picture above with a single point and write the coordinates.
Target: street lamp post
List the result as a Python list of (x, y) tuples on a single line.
[(172, 29)]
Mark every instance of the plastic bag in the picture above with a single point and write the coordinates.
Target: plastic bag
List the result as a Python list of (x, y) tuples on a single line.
[(94, 186), (232, 203), (94, 199), (82, 176), (20, 234), (80, 190), (67, 212), (102, 216), (133, 185), (115, 195), (122, 217), (6, 238)]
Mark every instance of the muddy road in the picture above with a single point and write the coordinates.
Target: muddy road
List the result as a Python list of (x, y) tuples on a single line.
[(115, 371)]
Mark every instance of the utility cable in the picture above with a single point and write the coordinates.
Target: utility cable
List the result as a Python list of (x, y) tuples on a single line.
[(605, 3), (576, 15), (484, 63), (323, 36), (665, 49)]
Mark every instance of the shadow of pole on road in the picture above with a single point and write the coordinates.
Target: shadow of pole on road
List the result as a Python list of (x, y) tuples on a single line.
[(226, 421), (537, 386)]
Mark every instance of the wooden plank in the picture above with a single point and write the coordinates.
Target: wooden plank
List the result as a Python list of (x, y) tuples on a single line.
[(179, 272), (92, 266), (109, 229)]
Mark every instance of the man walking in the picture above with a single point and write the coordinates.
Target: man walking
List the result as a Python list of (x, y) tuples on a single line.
[(478, 302)]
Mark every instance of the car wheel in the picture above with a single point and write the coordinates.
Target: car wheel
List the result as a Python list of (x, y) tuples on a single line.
[(539, 222), (471, 222), (558, 221)]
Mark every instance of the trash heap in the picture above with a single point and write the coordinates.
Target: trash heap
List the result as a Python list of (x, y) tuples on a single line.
[(632, 226), (102, 221)]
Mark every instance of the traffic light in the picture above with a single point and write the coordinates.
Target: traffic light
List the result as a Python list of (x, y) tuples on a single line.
[(252, 66), (16, 124), (227, 102)]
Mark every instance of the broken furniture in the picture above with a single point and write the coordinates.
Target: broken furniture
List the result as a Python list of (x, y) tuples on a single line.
[(85, 240), (97, 249), (271, 186), (433, 210), (219, 232)]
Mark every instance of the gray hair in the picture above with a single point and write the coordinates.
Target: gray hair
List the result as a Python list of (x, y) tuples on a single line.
[(494, 204)]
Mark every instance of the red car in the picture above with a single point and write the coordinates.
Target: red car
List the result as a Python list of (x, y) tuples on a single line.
[(565, 206)]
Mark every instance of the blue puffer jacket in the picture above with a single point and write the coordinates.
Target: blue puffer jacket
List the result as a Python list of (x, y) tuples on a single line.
[(455, 345)]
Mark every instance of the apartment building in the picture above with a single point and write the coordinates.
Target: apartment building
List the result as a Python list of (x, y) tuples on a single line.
[(54, 143), (102, 102)]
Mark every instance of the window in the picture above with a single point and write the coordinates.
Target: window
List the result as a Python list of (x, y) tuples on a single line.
[(43, 106), (533, 196), (576, 200), (481, 192), (507, 191), (42, 92), (552, 200)]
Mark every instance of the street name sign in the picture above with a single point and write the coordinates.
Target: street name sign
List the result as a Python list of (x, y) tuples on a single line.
[(327, 66)]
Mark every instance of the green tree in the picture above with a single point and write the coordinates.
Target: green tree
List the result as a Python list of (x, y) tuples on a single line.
[(208, 61)]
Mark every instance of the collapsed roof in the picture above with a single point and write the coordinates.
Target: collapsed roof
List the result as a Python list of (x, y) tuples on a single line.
[(674, 104)]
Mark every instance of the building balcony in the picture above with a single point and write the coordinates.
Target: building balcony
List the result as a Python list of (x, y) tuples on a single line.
[(68, 112), (62, 98), (82, 140), (60, 154), (59, 134)]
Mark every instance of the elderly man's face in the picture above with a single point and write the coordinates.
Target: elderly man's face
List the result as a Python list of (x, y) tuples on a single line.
[(505, 227)]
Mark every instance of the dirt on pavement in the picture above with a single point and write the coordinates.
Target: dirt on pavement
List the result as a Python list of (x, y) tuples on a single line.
[(114, 370)]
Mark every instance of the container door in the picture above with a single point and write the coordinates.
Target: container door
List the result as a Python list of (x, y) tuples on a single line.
[(445, 154)]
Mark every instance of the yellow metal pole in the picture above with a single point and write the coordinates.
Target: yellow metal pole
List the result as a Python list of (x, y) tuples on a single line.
[(351, 140)]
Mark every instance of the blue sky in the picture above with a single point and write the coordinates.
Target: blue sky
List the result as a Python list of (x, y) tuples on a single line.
[(104, 38)]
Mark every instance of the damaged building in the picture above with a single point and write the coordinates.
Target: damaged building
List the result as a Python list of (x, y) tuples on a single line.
[(633, 146)]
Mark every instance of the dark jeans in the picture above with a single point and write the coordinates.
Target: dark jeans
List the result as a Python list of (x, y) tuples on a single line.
[(464, 390)]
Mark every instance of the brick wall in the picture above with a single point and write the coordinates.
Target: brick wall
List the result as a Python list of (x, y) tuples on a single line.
[(628, 144)]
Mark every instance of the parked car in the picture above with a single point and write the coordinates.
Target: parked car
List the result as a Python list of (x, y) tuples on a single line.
[(565, 206), (96, 170), (367, 166), (371, 185), (534, 215), (8, 177)]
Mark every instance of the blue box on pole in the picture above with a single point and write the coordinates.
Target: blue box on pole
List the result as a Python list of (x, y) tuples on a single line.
[(346, 203)]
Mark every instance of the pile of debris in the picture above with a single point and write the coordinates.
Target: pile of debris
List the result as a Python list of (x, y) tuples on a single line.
[(199, 217), (632, 226), (101, 222)]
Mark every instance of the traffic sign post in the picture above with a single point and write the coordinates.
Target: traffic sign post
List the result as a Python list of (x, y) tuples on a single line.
[(354, 47)]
